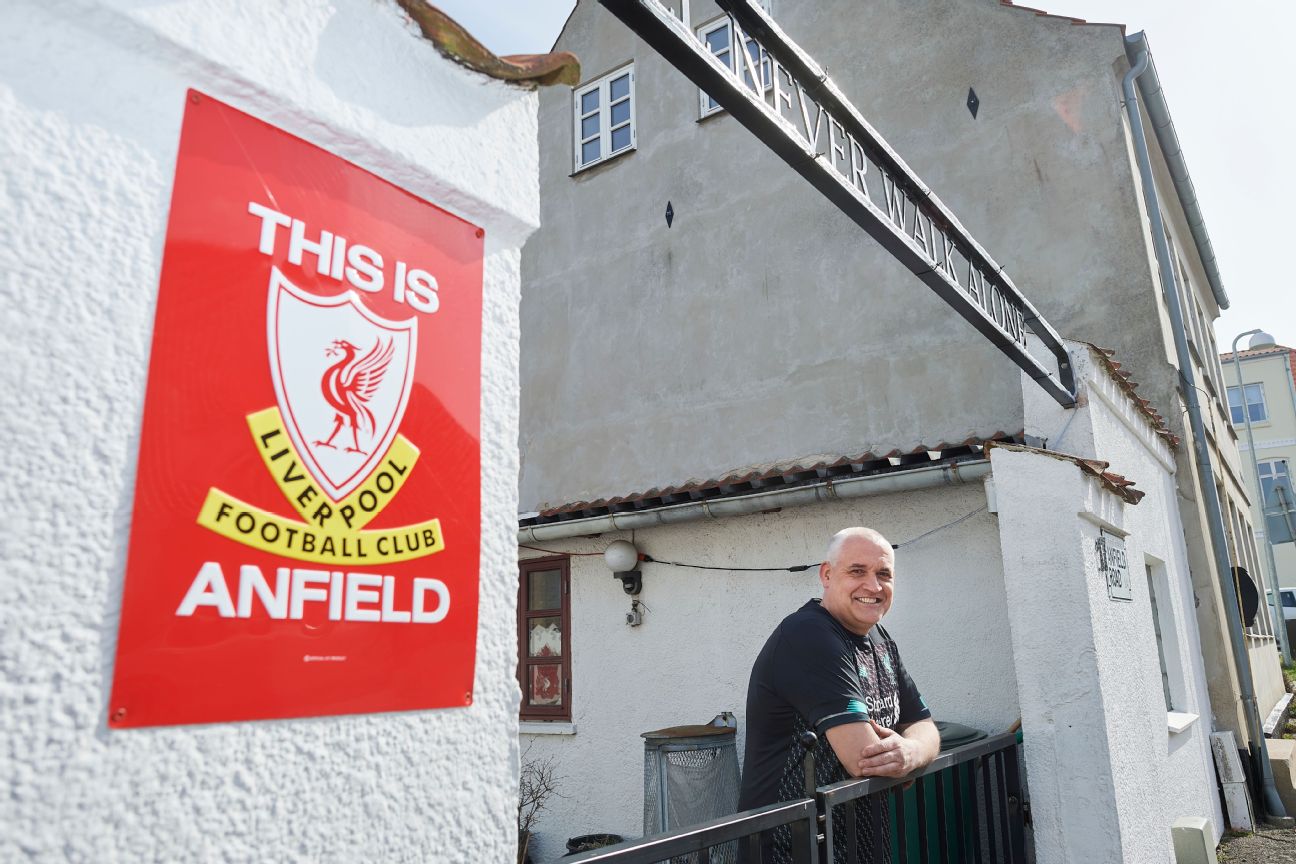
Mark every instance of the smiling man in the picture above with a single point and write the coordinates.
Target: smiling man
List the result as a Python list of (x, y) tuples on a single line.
[(830, 668)]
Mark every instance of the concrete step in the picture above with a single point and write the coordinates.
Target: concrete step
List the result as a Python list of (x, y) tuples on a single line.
[(1282, 761)]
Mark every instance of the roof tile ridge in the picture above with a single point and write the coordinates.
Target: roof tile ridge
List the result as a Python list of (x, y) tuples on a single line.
[(457, 44), (1071, 19)]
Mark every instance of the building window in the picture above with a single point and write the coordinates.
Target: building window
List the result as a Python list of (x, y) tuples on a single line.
[(720, 38), (544, 638), (1274, 476), (604, 113), (1160, 639), (1255, 403)]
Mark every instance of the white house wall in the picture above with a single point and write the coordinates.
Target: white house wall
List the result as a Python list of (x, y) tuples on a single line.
[(692, 656), (1110, 428), (1094, 738), (91, 100)]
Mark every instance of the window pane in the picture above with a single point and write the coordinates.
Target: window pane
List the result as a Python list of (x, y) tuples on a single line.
[(718, 39), (1255, 402), (589, 151), (589, 101), (589, 127), (620, 138), (544, 590), (1235, 414), (620, 88), (621, 113), (544, 637), (546, 684), (1288, 598)]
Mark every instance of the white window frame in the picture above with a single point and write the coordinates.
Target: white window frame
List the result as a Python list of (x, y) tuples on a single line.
[(1277, 472), (1240, 390), (603, 86), (735, 63)]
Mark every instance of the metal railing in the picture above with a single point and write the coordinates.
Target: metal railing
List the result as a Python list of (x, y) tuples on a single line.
[(746, 827), (966, 807), (975, 791)]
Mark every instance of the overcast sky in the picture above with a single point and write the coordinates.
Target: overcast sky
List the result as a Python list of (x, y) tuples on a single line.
[(1229, 70)]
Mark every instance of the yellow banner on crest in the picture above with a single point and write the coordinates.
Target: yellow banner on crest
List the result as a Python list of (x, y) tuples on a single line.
[(289, 472), (333, 532), (243, 523)]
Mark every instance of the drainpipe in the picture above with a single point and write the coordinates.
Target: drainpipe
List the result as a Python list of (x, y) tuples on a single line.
[(1275, 599), (953, 474), (1271, 803)]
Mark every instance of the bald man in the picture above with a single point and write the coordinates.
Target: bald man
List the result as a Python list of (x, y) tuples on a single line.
[(830, 668)]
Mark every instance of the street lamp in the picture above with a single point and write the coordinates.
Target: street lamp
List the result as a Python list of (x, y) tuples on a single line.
[(1261, 339)]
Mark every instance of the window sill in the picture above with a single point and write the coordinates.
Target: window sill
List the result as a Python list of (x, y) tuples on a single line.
[(590, 166), (1177, 721), (546, 727)]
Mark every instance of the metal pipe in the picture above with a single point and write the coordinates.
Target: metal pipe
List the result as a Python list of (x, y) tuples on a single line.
[(1275, 602), (1164, 130), (1270, 803), (929, 477)]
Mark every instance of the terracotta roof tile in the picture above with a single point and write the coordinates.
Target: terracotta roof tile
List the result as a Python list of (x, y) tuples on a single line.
[(1112, 482), (1079, 21), (1125, 381), (779, 475), (452, 40)]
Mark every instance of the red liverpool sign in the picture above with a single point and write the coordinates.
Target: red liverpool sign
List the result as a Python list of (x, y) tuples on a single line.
[(305, 537)]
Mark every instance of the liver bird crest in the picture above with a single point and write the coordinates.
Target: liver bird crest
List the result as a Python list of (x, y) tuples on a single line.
[(349, 384)]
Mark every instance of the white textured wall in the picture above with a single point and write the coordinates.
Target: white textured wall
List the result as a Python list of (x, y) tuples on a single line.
[(1108, 427), (91, 98), (692, 656), (1128, 770), (1092, 718)]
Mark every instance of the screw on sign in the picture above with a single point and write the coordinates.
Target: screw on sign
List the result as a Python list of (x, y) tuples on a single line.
[(306, 525)]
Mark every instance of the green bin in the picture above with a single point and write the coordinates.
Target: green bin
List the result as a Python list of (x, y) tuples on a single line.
[(957, 780)]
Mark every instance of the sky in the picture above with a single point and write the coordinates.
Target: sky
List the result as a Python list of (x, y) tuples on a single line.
[(1229, 72)]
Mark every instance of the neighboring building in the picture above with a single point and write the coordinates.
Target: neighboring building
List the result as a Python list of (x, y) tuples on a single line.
[(693, 309), (1268, 394), (92, 96)]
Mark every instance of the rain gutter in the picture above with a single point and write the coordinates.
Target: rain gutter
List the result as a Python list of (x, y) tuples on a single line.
[(928, 477), (1154, 102)]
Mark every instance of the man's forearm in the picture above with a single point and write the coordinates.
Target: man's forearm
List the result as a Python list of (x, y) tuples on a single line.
[(927, 737)]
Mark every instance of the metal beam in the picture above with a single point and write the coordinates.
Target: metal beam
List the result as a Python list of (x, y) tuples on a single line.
[(916, 227)]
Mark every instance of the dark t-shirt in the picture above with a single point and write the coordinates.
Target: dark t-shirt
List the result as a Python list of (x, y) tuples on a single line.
[(814, 674)]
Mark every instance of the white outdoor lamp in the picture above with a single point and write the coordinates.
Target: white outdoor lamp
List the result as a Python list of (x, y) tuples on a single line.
[(622, 558)]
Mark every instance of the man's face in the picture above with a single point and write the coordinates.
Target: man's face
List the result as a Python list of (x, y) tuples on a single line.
[(858, 586)]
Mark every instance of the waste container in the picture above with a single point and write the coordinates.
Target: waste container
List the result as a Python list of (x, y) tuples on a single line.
[(955, 781), (690, 776)]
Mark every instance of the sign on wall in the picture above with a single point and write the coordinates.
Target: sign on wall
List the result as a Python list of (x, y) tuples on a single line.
[(1114, 566), (305, 535)]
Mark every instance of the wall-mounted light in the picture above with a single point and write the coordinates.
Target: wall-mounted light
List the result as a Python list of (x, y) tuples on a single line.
[(622, 558)]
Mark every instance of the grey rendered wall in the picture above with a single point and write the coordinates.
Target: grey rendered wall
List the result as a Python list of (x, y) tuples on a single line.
[(764, 325)]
